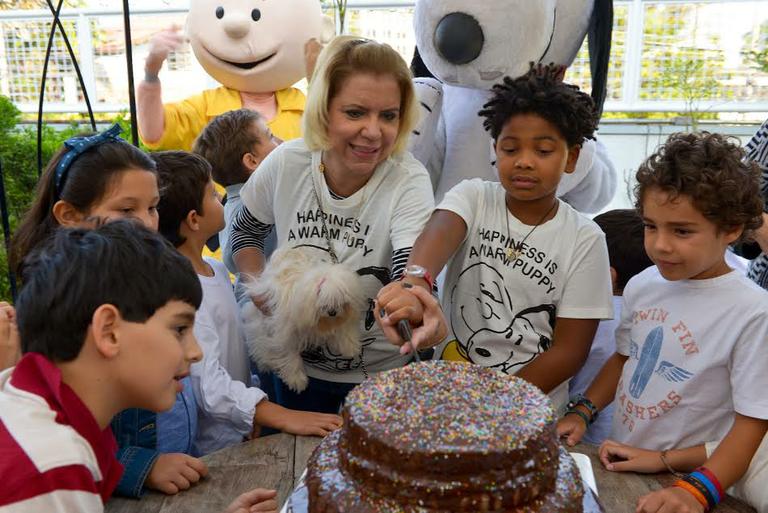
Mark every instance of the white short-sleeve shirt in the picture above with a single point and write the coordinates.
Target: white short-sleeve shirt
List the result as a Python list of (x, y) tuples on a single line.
[(698, 352), (384, 216), (502, 312)]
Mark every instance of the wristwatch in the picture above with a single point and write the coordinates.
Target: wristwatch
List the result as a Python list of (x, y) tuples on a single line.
[(417, 271)]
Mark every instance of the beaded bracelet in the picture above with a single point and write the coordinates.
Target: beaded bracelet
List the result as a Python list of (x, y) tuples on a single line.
[(580, 400), (580, 414)]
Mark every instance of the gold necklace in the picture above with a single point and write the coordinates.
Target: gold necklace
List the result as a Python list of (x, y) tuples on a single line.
[(331, 250), (323, 168), (513, 252)]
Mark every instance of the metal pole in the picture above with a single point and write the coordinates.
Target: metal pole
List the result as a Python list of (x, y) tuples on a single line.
[(129, 62), (42, 89)]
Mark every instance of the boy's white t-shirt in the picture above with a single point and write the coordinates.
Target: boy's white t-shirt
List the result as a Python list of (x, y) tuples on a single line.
[(384, 216), (221, 381), (502, 312), (698, 351)]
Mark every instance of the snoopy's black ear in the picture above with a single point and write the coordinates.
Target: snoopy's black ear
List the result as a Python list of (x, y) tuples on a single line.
[(600, 31), (418, 68)]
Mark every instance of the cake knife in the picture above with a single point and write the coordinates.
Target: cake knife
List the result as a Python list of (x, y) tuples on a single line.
[(404, 328)]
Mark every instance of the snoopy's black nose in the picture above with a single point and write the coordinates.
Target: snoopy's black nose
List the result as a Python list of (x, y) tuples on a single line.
[(459, 38), (331, 313)]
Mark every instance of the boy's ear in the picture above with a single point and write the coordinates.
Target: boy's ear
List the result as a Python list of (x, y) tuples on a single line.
[(732, 234), (66, 214), (105, 327), (250, 162), (192, 221), (573, 156)]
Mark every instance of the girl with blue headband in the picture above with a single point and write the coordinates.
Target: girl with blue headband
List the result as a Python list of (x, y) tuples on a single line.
[(90, 179)]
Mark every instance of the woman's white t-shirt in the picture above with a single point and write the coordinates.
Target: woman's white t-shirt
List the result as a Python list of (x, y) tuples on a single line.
[(366, 228)]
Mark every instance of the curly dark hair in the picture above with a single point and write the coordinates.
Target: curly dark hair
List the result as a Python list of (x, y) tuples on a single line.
[(710, 169), (542, 92)]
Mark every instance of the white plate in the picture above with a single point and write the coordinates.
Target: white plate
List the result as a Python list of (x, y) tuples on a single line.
[(585, 468)]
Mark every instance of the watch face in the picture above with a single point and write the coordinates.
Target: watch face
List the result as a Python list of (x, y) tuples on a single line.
[(416, 271)]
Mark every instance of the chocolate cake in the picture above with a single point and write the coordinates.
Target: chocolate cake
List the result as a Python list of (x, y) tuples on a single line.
[(444, 437)]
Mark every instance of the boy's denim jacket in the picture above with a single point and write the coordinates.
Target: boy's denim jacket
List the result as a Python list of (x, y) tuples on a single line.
[(137, 437), (136, 434)]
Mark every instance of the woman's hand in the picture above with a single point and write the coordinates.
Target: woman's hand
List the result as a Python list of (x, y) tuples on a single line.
[(618, 457), (395, 303), (396, 299), (669, 500)]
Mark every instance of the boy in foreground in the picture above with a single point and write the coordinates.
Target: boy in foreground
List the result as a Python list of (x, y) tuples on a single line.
[(105, 319)]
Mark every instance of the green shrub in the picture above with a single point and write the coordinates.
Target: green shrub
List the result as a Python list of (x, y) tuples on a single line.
[(18, 153)]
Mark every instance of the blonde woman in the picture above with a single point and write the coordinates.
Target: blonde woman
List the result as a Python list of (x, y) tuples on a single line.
[(348, 189)]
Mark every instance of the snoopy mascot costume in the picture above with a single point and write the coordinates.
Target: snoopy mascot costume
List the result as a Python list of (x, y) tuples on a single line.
[(470, 46)]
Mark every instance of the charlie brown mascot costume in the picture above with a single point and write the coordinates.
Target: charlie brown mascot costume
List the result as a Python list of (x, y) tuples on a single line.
[(254, 49)]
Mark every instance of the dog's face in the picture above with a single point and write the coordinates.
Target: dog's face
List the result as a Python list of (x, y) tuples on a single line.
[(330, 319), (331, 297)]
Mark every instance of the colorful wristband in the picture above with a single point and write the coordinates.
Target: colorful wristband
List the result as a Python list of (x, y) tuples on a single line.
[(705, 486), (713, 479), (708, 485), (693, 491)]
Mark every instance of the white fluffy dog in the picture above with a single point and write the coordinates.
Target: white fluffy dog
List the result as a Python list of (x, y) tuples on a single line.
[(312, 303)]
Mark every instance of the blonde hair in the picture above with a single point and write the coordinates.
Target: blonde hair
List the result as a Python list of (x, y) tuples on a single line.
[(344, 57)]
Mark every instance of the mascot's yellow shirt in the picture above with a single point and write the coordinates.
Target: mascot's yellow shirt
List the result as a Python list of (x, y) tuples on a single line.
[(186, 119)]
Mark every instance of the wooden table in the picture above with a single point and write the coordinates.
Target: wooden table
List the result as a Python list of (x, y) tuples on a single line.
[(619, 491), (278, 461), (275, 461)]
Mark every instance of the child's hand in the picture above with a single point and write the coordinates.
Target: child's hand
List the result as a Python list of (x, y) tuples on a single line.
[(294, 421), (618, 457), (669, 500), (310, 423), (572, 428), (174, 472), (257, 499), (10, 346)]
